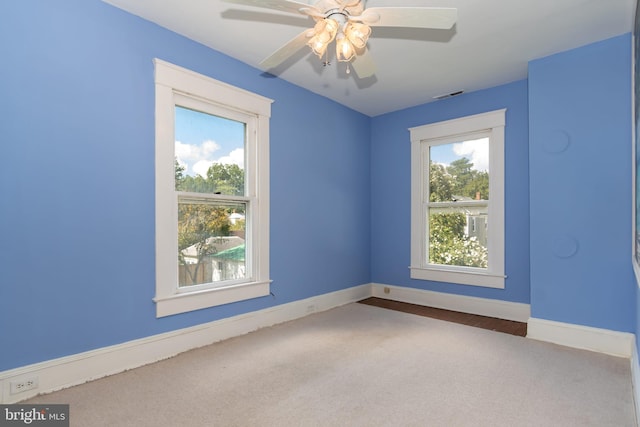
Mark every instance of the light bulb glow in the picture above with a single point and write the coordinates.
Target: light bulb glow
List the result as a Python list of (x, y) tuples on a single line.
[(318, 46), (350, 37), (331, 26), (323, 33), (344, 49), (358, 34)]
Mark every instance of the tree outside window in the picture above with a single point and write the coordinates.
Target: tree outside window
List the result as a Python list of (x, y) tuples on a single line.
[(457, 200), (454, 235)]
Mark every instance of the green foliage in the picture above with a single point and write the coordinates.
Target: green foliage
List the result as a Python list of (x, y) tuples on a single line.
[(240, 225), (441, 183), (222, 179), (179, 173), (462, 171), (227, 179), (201, 226), (444, 227), (204, 226), (467, 252), (478, 185), (196, 184), (448, 244), (457, 179)]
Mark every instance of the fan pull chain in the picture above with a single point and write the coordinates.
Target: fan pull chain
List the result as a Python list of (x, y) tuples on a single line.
[(348, 68)]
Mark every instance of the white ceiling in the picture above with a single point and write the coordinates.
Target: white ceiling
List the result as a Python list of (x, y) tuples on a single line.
[(490, 45)]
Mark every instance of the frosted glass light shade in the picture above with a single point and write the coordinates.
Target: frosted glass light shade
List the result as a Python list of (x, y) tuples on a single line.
[(323, 33), (317, 46), (358, 34), (344, 49)]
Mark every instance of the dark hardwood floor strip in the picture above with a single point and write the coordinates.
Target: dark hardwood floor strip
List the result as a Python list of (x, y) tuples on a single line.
[(491, 323)]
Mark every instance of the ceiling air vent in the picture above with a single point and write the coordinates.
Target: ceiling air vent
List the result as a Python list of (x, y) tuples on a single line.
[(449, 95)]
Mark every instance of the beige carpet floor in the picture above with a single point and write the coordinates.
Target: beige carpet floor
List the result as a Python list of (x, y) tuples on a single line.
[(359, 365)]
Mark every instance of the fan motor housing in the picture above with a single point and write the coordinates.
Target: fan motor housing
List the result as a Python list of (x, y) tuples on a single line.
[(352, 8)]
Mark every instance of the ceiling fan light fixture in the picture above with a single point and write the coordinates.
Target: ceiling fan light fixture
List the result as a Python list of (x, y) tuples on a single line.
[(328, 29), (348, 23), (318, 47), (358, 34), (323, 33), (345, 51)]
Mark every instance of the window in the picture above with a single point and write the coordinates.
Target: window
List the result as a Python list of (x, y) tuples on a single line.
[(457, 200), (212, 192)]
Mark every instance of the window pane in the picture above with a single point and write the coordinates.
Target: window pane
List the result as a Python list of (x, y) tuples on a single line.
[(211, 242), (459, 171), (458, 236), (209, 153)]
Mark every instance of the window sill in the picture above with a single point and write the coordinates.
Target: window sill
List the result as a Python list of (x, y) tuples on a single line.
[(184, 302), (473, 278)]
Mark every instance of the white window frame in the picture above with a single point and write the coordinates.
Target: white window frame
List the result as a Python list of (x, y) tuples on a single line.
[(422, 138), (178, 86)]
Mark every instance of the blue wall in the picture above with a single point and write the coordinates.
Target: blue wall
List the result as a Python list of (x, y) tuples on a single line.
[(77, 181), (391, 189), (580, 185)]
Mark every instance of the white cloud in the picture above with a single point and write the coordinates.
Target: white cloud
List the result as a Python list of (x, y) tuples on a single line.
[(197, 159), (235, 157), (186, 152), (475, 150), (209, 147), (201, 167)]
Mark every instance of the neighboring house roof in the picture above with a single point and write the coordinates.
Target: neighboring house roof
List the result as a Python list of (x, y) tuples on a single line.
[(233, 254), (221, 244)]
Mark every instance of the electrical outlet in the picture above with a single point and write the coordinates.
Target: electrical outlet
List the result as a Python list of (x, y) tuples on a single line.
[(387, 290), (25, 384)]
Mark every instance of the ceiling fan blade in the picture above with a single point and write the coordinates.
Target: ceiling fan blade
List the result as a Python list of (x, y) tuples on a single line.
[(363, 65), (282, 54), (441, 18), (281, 5)]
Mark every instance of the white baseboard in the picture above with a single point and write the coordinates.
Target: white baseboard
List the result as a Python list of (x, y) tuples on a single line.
[(79, 368), (635, 380), (584, 337), (473, 305)]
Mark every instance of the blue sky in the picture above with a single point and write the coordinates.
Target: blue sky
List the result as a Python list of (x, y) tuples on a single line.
[(476, 150), (202, 139)]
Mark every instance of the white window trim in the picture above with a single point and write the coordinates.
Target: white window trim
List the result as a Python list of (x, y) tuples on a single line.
[(493, 276), (172, 82)]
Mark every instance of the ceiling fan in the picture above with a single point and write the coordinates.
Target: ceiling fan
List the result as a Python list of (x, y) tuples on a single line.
[(348, 23)]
